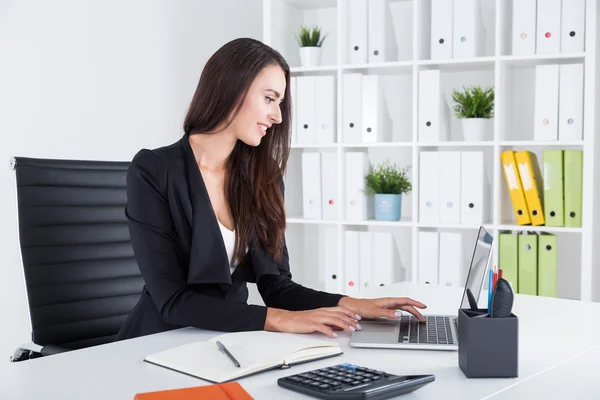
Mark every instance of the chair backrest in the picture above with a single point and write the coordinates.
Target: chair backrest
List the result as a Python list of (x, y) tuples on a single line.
[(81, 276)]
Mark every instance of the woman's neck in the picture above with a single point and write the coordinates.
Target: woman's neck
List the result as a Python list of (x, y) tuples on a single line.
[(212, 150)]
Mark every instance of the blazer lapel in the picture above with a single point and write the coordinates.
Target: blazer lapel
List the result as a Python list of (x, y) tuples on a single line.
[(208, 256)]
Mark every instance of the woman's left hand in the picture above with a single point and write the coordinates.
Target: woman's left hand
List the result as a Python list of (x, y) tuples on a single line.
[(382, 307)]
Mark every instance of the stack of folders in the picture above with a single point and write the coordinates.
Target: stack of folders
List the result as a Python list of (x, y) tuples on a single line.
[(313, 109), (457, 29), (551, 199), (371, 31), (547, 26), (529, 262), (452, 187), (558, 110), (365, 117), (441, 258), (320, 183), (371, 260)]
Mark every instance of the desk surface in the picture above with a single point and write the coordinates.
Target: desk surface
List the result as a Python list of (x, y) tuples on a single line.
[(117, 371)]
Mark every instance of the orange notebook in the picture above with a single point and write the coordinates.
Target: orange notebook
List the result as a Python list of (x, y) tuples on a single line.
[(220, 391)]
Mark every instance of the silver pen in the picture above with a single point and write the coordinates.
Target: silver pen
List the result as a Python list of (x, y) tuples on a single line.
[(223, 349)]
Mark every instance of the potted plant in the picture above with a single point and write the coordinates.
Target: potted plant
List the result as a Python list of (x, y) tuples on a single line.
[(310, 42), (388, 183), (475, 108)]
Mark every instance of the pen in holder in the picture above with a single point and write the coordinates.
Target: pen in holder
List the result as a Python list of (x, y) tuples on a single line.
[(488, 342)]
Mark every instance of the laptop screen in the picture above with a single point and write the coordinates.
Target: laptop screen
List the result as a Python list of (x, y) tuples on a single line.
[(479, 266)]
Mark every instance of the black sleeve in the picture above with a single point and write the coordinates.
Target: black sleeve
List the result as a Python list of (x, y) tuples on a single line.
[(153, 240), (279, 291)]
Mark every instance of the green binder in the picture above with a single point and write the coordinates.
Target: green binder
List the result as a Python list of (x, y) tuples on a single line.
[(528, 257), (547, 265), (508, 259), (553, 188), (573, 160)]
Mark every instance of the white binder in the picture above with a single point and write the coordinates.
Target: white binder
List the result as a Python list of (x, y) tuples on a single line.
[(357, 42), (432, 111), (545, 124), (474, 205), (305, 93), (385, 264), (572, 27), (524, 27), (570, 108), (329, 178), (373, 110), (352, 263), (352, 108), (441, 29), (381, 39), (311, 185), (358, 205), (429, 184), (367, 266), (428, 248), (325, 109), (467, 27), (548, 26), (333, 276), (449, 203), (451, 259), (294, 105)]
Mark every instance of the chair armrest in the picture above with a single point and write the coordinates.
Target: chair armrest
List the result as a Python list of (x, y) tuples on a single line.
[(29, 351)]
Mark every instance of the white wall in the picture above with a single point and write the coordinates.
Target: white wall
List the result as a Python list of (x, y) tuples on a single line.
[(96, 80)]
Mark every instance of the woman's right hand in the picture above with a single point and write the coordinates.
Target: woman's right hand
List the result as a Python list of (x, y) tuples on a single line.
[(324, 320)]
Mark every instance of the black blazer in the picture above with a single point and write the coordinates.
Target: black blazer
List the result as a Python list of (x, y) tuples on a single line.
[(180, 252)]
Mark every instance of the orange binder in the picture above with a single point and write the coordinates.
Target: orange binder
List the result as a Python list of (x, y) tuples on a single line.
[(220, 391), (515, 188)]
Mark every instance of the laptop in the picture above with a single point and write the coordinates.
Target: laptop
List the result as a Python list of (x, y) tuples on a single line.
[(438, 332)]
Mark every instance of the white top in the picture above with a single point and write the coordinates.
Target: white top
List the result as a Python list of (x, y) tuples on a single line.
[(229, 241)]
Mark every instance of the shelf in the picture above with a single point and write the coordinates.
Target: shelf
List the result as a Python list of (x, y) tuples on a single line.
[(404, 222), (311, 4), (379, 144), (394, 66), (543, 228), (538, 59), (313, 145), (301, 220), (461, 64), (538, 143), (455, 144), (321, 68), (487, 226)]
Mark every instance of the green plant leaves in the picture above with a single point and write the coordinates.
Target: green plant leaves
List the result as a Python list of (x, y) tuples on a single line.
[(474, 102), (386, 178), (310, 37)]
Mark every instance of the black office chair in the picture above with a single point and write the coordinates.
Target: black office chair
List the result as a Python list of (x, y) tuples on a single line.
[(80, 273)]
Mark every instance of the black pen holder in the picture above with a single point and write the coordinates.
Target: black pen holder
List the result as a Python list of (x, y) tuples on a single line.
[(488, 347)]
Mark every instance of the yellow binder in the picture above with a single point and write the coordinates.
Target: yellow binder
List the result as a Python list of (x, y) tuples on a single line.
[(531, 181), (515, 190)]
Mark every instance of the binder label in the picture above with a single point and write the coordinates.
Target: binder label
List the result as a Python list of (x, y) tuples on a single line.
[(525, 177), (512, 176)]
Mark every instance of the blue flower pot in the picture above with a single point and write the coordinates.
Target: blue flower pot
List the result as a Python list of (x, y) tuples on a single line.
[(387, 207)]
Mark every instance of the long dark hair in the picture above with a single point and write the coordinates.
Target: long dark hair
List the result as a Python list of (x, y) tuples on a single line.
[(253, 174)]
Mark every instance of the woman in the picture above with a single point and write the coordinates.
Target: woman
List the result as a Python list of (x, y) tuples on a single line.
[(206, 214)]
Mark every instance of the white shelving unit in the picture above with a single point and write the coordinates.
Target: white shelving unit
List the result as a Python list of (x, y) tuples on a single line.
[(511, 77)]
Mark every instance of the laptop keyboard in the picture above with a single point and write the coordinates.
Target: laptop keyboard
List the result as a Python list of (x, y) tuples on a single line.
[(435, 330)]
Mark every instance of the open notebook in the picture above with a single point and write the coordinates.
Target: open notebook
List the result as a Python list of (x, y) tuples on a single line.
[(256, 351)]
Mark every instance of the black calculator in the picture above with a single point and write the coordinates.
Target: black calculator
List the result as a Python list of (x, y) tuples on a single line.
[(349, 381)]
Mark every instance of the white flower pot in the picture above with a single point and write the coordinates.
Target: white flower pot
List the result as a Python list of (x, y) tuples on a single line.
[(310, 56), (477, 129)]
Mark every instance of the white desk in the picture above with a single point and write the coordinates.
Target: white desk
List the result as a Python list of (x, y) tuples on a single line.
[(576, 378), (116, 370)]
